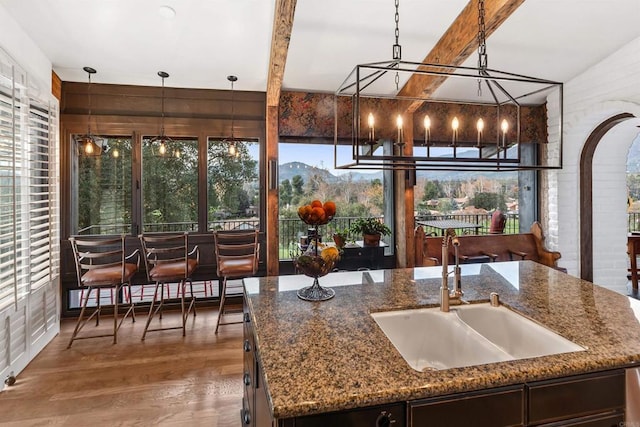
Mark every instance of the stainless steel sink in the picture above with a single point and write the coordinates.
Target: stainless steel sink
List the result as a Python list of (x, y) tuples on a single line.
[(472, 334)]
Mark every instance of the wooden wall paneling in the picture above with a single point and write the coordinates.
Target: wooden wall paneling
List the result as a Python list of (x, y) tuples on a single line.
[(135, 111), (403, 202), (408, 198), (271, 223), (56, 86)]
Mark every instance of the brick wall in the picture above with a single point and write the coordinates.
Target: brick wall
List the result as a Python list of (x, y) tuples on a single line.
[(608, 88)]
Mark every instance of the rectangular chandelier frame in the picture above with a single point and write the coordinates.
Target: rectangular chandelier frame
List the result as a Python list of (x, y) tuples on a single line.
[(373, 93)]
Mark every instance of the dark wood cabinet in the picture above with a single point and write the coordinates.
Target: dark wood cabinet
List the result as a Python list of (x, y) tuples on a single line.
[(591, 399), (496, 407), (255, 407)]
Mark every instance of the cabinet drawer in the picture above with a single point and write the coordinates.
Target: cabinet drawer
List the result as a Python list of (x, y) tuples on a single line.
[(607, 420), (392, 415), (498, 407), (578, 396)]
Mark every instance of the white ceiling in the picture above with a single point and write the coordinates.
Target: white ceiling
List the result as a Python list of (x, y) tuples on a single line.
[(129, 41)]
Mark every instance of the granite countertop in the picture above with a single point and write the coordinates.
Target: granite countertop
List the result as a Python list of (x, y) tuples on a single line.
[(331, 355)]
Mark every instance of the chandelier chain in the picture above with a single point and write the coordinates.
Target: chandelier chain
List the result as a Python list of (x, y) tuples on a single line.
[(482, 43), (397, 49), (397, 18)]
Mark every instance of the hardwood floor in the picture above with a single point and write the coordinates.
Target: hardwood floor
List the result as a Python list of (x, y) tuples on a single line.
[(167, 380)]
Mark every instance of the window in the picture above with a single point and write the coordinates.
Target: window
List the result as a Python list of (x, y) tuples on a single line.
[(29, 220), (305, 174), (233, 189), (170, 186), (29, 208), (104, 188), (44, 194)]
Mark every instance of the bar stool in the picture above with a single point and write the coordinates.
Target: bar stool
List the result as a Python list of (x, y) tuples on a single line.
[(167, 260), (101, 264), (237, 254)]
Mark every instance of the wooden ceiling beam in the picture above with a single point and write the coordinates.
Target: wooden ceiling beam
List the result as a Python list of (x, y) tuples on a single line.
[(282, 25), (458, 43)]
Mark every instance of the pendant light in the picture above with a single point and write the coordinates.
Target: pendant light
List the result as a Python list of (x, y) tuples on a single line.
[(458, 125), (233, 149), (89, 144), (161, 144)]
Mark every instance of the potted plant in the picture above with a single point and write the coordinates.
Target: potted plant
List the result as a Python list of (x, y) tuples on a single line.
[(372, 229), (340, 237)]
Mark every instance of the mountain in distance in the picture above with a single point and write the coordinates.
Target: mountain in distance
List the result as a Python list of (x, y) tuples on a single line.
[(291, 169)]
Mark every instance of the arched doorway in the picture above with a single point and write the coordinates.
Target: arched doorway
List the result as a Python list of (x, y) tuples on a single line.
[(602, 215)]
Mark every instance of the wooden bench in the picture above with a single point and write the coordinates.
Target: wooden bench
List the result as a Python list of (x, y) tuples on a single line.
[(487, 248)]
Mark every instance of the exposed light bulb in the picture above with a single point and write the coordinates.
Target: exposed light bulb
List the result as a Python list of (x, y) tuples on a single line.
[(427, 131), (88, 147), (372, 132), (162, 149), (176, 154), (232, 149), (504, 126), (454, 125), (480, 127), (116, 153), (400, 139)]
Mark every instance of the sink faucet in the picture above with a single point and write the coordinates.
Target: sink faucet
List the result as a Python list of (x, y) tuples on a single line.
[(455, 296)]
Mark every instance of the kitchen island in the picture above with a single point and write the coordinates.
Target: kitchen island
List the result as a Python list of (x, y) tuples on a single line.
[(306, 361)]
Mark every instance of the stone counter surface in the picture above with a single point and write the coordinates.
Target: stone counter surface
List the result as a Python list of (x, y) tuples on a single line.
[(327, 356)]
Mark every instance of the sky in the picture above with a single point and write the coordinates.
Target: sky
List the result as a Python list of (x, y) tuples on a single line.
[(317, 155)]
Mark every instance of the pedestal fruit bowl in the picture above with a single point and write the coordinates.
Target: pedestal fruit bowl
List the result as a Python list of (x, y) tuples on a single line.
[(316, 261)]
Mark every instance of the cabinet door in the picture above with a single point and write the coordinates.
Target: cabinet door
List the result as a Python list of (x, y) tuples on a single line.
[(577, 396), (497, 407)]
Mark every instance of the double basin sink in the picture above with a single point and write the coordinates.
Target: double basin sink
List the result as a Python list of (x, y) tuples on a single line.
[(467, 335)]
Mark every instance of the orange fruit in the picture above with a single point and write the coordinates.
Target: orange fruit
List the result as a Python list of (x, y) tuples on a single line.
[(316, 204), (317, 214), (301, 211), (329, 208), (330, 254)]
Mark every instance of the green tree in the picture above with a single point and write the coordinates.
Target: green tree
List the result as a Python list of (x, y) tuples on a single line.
[(243, 201), (298, 183), (227, 174), (285, 192), (104, 189), (489, 201), (170, 184), (432, 190)]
